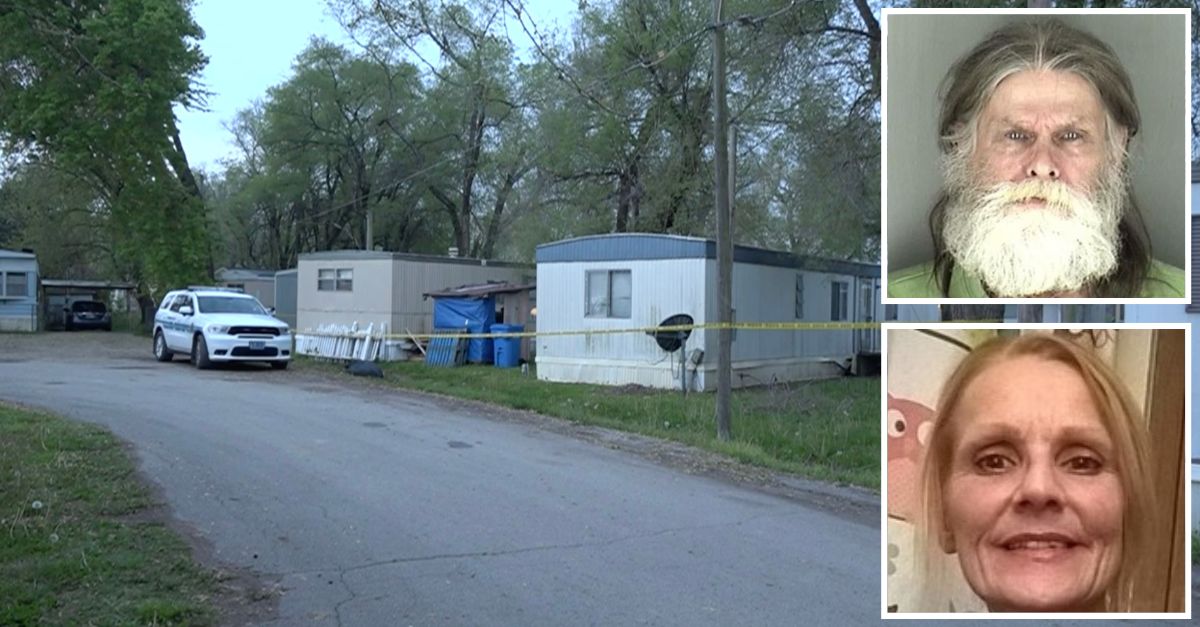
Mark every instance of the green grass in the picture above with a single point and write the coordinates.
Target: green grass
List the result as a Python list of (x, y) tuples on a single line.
[(68, 553), (826, 430)]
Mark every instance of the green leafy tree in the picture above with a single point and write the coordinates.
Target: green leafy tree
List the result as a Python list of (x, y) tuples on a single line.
[(469, 139), (337, 126), (89, 86), (59, 217)]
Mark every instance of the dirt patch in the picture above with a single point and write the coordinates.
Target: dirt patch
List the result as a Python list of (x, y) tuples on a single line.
[(76, 345), (634, 389)]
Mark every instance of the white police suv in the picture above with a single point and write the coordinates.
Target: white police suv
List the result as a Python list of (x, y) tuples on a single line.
[(219, 324)]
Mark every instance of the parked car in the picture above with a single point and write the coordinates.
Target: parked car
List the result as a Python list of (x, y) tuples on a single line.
[(212, 324), (87, 314)]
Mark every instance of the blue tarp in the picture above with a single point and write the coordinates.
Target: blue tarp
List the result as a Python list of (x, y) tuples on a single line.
[(476, 314)]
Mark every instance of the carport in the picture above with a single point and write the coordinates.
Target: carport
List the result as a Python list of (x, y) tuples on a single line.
[(56, 294)]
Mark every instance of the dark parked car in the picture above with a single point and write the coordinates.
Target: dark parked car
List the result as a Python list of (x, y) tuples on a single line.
[(87, 314)]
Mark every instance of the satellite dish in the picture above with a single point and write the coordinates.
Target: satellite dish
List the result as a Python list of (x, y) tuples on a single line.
[(670, 341)]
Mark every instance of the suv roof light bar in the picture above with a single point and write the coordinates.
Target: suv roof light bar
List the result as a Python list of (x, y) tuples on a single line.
[(215, 288)]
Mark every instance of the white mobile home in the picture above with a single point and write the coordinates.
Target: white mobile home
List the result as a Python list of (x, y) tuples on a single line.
[(623, 281), (374, 287), (18, 291)]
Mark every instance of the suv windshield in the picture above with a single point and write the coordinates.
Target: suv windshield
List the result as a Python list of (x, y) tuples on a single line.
[(229, 304), (88, 305)]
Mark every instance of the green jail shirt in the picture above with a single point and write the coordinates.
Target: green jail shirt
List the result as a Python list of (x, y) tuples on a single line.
[(1163, 281)]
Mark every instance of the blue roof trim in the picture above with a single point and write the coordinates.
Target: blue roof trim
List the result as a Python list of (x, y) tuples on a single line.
[(648, 246)]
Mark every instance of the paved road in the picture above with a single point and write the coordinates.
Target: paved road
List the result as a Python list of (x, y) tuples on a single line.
[(380, 508), (372, 507)]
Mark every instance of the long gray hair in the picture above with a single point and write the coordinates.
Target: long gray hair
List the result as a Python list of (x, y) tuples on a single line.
[(1044, 44)]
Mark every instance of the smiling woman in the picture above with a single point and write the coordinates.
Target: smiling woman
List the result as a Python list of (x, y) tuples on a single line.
[(1035, 478)]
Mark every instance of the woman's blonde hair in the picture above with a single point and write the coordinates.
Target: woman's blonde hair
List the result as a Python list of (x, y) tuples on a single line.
[(1121, 418)]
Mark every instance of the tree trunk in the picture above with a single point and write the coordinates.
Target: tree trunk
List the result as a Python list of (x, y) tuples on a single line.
[(493, 228), (627, 197), (177, 159), (470, 169), (872, 26)]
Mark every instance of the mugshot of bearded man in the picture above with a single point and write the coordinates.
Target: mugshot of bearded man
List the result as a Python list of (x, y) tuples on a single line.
[(1035, 133)]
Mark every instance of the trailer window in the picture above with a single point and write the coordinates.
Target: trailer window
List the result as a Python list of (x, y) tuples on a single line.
[(838, 305), (15, 284), (609, 294), (335, 279), (325, 279)]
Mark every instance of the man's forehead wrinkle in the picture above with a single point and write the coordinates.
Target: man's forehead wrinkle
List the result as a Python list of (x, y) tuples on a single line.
[(1071, 121)]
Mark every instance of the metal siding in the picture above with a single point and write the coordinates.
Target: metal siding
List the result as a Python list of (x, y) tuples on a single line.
[(367, 302), (643, 246), (20, 314), (622, 247), (766, 294), (359, 255), (285, 296), (664, 287), (306, 295), (412, 279), (262, 289), (659, 289), (763, 294)]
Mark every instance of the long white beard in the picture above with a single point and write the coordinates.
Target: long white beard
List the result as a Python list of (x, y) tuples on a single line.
[(1066, 244)]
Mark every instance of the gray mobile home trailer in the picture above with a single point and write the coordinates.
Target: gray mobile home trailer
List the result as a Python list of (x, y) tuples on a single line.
[(375, 287)]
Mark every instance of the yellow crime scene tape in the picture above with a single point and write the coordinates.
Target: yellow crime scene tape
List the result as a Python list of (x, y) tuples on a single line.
[(757, 326)]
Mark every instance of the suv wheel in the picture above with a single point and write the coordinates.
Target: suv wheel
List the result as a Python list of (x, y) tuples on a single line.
[(279, 365), (200, 353), (161, 352)]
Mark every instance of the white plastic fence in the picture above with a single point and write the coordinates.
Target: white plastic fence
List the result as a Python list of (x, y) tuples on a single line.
[(338, 341)]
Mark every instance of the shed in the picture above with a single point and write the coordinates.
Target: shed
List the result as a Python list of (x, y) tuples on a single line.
[(18, 290), (478, 306), (257, 283), (58, 294), (636, 280), (375, 287)]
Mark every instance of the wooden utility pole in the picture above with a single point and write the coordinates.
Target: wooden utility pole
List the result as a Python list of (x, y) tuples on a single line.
[(724, 241), (370, 243)]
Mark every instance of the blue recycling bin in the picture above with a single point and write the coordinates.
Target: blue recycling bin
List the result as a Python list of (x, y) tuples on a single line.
[(479, 350), (508, 349)]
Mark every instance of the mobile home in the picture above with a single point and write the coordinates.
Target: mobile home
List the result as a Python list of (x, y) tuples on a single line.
[(18, 291), (632, 281), (375, 287)]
